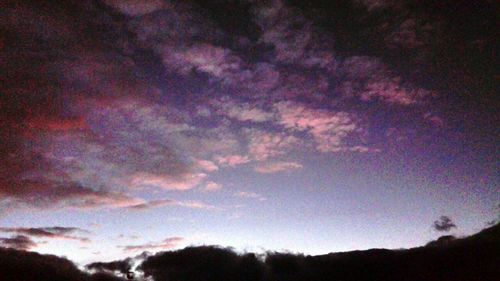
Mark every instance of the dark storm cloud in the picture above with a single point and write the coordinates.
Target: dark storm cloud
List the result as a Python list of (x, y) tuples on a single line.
[(48, 232), (20, 242), (444, 224)]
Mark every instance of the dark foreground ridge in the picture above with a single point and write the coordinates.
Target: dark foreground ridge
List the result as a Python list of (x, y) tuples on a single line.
[(472, 258)]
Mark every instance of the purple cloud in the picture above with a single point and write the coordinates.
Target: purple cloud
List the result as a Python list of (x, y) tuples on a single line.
[(19, 242), (56, 232), (232, 160), (370, 79)]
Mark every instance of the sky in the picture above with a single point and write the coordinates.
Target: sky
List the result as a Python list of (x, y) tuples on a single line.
[(311, 127)]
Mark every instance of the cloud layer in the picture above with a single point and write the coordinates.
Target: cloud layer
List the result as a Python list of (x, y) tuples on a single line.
[(107, 102)]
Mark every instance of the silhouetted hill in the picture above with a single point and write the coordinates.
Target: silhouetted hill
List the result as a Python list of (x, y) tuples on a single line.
[(29, 266), (474, 258)]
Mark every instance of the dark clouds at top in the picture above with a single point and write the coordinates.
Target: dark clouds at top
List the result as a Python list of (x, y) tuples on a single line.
[(99, 97), (57, 61)]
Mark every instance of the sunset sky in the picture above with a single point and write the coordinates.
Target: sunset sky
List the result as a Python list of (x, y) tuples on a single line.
[(149, 125)]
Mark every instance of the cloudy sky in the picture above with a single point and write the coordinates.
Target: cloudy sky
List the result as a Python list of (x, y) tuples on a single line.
[(147, 125)]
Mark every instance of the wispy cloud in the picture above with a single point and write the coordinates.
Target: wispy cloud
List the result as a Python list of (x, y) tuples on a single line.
[(276, 167), (370, 79), (206, 165), (251, 195), (329, 129), (263, 145), (216, 61), (186, 182), (232, 160), (169, 243), (55, 232), (212, 186), (243, 111), (168, 202)]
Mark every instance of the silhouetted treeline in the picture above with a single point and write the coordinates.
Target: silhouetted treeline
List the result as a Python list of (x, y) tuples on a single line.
[(474, 258), (18, 265), (122, 266)]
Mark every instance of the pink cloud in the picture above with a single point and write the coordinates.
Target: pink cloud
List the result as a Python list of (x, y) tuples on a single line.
[(328, 129), (167, 182), (392, 92), (169, 243), (146, 205), (232, 160), (207, 165), (243, 111), (212, 186), (153, 204), (370, 79), (197, 205), (276, 167), (263, 145), (100, 200)]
